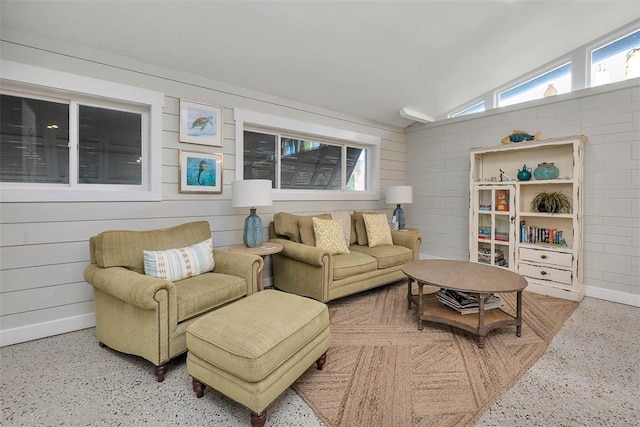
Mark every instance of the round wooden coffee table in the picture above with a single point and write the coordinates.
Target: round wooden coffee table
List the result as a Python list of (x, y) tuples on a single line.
[(470, 277)]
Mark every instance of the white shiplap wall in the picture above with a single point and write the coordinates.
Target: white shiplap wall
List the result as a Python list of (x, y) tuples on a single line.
[(438, 169), (44, 246)]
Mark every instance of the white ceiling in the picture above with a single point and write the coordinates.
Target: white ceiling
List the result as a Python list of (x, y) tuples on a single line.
[(366, 59)]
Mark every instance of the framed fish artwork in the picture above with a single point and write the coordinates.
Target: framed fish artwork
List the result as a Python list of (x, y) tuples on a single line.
[(200, 172), (201, 123)]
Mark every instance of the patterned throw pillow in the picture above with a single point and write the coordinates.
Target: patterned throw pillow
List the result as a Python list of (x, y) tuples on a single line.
[(378, 230), (178, 264), (329, 235)]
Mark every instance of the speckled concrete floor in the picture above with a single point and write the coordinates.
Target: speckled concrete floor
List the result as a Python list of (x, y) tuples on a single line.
[(589, 376)]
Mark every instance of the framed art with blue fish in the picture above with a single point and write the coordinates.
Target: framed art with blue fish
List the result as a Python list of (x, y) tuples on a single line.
[(200, 123), (200, 172)]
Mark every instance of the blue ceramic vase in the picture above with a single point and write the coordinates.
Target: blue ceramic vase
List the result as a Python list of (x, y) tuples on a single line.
[(546, 171), (252, 235), (524, 174)]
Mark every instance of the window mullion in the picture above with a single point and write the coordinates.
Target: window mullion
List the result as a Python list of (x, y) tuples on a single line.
[(73, 144)]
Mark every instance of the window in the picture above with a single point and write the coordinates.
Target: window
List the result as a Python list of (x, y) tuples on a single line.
[(550, 83), (306, 164), (306, 161), (476, 108), (616, 61), (65, 137)]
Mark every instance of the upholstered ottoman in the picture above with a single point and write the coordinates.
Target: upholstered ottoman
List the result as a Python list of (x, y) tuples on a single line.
[(253, 349)]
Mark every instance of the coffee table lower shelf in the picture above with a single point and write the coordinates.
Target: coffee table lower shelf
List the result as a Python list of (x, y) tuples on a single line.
[(433, 311)]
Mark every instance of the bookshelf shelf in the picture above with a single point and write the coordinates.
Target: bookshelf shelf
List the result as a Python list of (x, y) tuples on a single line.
[(546, 248)]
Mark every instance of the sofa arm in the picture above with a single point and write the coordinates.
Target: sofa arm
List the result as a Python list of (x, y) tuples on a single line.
[(244, 265), (304, 253), (408, 240), (134, 288)]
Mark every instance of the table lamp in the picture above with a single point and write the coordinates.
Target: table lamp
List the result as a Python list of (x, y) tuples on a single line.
[(397, 195), (251, 193)]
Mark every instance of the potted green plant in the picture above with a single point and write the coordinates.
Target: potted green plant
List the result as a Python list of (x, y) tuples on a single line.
[(555, 202)]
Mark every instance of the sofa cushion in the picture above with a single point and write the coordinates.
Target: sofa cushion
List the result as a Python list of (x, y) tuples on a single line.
[(345, 218), (330, 236), (351, 264), (123, 248), (199, 294), (386, 256), (378, 230), (297, 228), (361, 231), (180, 263)]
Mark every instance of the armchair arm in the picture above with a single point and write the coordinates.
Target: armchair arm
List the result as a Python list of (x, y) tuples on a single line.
[(134, 288), (304, 253), (408, 240), (244, 265)]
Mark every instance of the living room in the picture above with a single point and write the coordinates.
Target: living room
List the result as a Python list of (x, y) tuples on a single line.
[(44, 241)]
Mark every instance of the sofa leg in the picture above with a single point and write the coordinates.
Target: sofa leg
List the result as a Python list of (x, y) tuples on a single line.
[(198, 387), (161, 371), (258, 420), (101, 344), (321, 361)]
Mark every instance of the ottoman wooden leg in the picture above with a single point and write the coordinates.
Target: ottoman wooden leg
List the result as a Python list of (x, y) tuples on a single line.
[(258, 420), (321, 361), (161, 371), (198, 387)]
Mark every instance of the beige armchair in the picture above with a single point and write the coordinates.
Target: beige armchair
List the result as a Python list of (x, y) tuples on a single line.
[(147, 316)]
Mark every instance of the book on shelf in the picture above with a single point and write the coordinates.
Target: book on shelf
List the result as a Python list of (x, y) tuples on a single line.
[(466, 303), (535, 234)]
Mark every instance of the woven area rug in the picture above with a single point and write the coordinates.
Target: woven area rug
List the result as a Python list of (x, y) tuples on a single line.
[(382, 371)]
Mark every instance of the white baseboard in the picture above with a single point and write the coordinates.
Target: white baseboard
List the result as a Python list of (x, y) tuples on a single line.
[(613, 296), (46, 329)]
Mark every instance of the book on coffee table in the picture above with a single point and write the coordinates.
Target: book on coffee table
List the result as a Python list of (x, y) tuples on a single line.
[(466, 303)]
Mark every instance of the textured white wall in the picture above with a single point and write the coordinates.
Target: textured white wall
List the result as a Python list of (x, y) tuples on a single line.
[(438, 168)]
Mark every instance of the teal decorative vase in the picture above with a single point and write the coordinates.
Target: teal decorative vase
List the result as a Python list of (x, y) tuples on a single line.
[(399, 214), (524, 174), (546, 171), (252, 236)]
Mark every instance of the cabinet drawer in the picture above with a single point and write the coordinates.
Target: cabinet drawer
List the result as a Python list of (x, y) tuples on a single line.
[(545, 272), (547, 257)]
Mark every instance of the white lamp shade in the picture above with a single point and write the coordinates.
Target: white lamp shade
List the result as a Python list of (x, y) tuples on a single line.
[(251, 193), (400, 194)]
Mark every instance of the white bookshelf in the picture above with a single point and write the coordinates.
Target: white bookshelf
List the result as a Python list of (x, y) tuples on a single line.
[(495, 234)]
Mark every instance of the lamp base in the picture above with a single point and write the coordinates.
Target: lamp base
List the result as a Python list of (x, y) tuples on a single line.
[(252, 235), (399, 214)]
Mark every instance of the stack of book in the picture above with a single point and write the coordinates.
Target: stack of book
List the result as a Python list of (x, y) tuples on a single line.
[(465, 303), (484, 256)]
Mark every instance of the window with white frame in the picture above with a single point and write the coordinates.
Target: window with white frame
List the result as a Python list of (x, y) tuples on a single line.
[(616, 61), (65, 138), (305, 161), (475, 108), (550, 83)]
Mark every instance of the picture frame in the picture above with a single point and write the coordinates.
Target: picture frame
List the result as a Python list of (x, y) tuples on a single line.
[(200, 172), (201, 123)]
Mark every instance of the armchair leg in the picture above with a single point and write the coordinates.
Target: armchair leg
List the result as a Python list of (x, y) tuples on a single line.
[(198, 387), (160, 371)]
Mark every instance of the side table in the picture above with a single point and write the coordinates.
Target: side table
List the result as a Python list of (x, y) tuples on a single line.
[(264, 250)]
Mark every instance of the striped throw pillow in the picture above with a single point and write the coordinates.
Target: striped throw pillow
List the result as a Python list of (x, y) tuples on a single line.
[(178, 264)]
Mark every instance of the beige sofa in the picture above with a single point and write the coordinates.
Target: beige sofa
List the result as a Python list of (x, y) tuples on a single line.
[(147, 316), (304, 269)]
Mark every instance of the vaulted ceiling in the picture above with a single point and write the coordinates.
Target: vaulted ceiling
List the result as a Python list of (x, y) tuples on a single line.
[(361, 58)]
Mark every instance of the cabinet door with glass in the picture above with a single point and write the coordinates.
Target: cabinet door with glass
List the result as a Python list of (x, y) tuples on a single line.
[(491, 229)]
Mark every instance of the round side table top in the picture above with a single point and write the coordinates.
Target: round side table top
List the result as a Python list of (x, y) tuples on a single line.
[(465, 276), (266, 248)]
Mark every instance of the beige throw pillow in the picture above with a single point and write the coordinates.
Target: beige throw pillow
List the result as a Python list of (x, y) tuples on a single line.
[(329, 235), (378, 230)]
